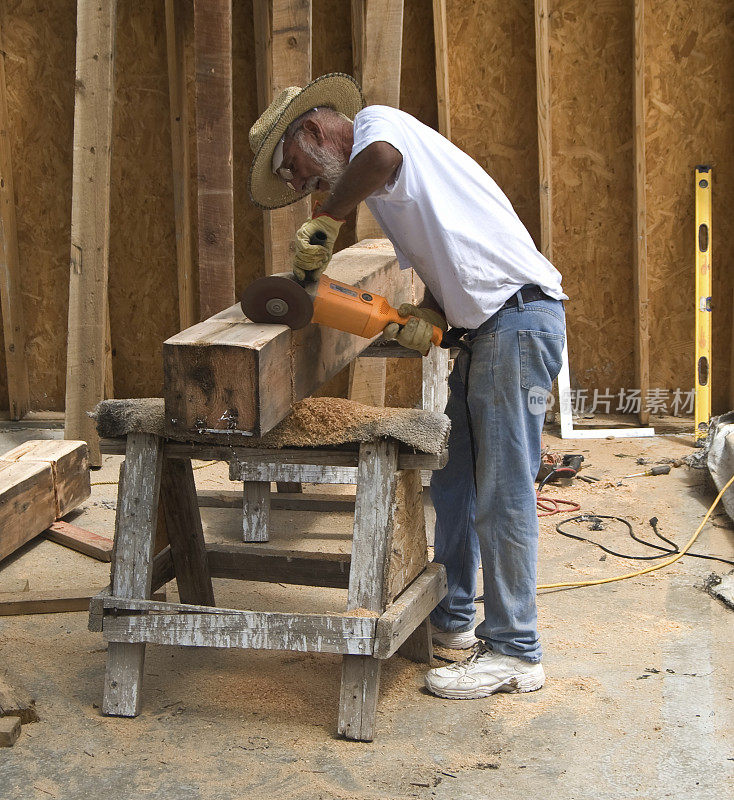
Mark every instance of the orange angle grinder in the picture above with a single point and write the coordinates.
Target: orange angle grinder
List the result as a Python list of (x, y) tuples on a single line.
[(282, 300)]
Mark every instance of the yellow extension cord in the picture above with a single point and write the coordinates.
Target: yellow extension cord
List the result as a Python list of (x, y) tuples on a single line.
[(662, 564), (576, 584)]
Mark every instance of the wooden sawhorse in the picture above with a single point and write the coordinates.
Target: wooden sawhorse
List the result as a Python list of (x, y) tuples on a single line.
[(391, 587)]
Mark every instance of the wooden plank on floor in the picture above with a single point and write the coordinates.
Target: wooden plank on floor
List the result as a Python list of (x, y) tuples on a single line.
[(641, 288), (55, 601), (90, 218), (11, 295), (231, 376), (214, 143), (179, 113), (81, 540)]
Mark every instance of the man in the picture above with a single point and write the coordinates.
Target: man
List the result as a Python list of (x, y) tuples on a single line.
[(449, 221)]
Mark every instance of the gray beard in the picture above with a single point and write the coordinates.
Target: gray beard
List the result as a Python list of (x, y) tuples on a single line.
[(332, 166)]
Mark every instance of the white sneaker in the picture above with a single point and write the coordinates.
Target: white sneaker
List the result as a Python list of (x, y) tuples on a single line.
[(453, 641), (484, 673)]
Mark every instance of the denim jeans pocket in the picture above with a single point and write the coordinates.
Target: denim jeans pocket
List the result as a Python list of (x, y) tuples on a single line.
[(541, 354)]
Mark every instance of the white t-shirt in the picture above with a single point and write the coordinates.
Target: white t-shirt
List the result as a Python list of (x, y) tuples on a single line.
[(450, 221)]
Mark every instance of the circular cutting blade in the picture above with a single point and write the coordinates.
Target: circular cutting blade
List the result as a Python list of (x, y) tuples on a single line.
[(277, 300)]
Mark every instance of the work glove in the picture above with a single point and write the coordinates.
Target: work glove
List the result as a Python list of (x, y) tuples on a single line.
[(310, 260), (417, 331)]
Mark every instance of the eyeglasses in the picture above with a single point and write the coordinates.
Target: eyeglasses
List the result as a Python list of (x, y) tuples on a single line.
[(286, 175)]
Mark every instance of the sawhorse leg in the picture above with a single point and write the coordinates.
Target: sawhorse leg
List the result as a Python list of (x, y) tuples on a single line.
[(371, 549), (185, 534), (135, 528)]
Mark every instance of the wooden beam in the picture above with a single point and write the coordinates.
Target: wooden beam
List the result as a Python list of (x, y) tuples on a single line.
[(11, 295), (39, 482), (377, 48), (641, 290), (133, 564), (283, 52), (542, 62), (441, 47), (377, 45), (279, 501), (179, 108), (374, 526), (229, 375), (202, 626), (69, 464), (90, 218), (259, 562), (408, 610), (27, 504), (226, 451), (213, 58), (178, 497)]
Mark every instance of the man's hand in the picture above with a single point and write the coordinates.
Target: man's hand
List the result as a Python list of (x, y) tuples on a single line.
[(417, 331), (311, 259)]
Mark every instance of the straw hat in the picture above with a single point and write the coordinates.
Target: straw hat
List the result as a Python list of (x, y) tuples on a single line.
[(337, 90)]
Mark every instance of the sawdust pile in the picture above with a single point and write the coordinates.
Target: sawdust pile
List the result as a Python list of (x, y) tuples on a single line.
[(323, 421)]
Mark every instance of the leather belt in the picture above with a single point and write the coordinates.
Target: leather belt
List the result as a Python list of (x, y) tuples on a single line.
[(530, 293)]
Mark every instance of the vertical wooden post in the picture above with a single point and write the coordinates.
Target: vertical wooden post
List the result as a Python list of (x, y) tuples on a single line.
[(542, 61), (90, 219), (440, 38), (213, 60), (283, 44), (135, 528), (371, 550), (179, 107), (11, 299), (377, 46), (642, 339)]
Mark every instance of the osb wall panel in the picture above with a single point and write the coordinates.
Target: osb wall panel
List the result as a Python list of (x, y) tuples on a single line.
[(142, 277), (592, 191), (690, 79), (491, 45), (39, 64)]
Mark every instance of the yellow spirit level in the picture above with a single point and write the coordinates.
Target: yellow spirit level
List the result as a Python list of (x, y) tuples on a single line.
[(703, 302)]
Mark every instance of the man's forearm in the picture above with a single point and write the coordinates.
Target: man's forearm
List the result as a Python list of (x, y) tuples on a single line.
[(368, 171)]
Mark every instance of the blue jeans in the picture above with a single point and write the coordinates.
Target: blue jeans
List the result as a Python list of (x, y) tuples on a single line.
[(515, 356)]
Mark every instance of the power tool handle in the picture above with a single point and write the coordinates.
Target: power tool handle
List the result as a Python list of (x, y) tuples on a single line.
[(436, 334), (662, 469)]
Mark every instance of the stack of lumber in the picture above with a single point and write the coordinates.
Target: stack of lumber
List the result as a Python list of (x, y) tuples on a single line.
[(40, 481)]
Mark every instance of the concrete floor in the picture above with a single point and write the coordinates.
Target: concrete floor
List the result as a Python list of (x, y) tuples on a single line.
[(638, 701)]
